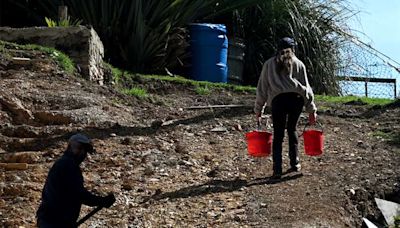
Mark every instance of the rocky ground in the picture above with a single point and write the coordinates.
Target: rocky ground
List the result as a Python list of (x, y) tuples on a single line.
[(167, 166)]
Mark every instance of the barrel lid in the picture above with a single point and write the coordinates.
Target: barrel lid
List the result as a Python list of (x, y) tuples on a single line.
[(220, 27)]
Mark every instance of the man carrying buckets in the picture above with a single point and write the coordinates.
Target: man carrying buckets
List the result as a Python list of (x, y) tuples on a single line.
[(283, 86)]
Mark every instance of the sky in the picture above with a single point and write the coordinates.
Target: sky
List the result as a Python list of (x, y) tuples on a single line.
[(380, 21)]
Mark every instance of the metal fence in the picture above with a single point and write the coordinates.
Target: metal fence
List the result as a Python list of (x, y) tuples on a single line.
[(367, 72)]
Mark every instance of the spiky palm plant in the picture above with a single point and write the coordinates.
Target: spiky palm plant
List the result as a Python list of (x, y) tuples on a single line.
[(143, 35), (150, 35)]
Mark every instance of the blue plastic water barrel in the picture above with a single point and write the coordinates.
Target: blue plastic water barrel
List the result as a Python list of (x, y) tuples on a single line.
[(209, 47)]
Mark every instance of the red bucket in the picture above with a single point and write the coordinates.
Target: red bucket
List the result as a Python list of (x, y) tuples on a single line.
[(313, 142), (259, 143)]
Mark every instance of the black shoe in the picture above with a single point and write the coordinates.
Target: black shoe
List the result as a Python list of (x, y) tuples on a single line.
[(276, 176)]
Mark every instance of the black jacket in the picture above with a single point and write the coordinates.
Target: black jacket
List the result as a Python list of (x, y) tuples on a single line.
[(64, 193)]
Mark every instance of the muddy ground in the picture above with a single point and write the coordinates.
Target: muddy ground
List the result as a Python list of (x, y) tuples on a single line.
[(169, 169)]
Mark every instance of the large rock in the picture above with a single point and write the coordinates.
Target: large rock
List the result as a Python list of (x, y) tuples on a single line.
[(80, 43)]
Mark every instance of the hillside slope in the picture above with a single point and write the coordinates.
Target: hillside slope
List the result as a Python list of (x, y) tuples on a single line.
[(166, 165)]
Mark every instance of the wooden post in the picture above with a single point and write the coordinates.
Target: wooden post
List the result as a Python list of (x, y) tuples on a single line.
[(62, 13), (366, 88), (395, 90), (14, 166)]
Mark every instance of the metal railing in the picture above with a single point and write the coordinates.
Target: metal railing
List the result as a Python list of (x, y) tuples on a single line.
[(368, 80)]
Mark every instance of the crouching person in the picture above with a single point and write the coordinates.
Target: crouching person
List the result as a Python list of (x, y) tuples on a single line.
[(64, 193)]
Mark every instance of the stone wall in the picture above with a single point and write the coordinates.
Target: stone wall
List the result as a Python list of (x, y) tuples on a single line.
[(81, 44)]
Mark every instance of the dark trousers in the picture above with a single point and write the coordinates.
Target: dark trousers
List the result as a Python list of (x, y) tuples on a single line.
[(286, 110), (46, 224)]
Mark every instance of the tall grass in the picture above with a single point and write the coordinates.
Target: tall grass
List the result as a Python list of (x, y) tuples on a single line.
[(319, 26)]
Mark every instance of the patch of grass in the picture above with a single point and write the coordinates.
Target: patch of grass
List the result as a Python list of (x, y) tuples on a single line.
[(346, 99), (390, 137), (116, 72), (239, 88), (62, 59), (200, 85), (397, 221), (323, 108), (209, 85), (196, 84), (136, 92), (203, 90), (382, 135), (119, 74)]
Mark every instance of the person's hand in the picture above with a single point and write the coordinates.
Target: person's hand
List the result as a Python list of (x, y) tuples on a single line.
[(258, 116), (109, 200), (258, 119), (312, 118)]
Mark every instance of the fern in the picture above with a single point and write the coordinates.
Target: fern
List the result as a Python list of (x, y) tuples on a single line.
[(50, 23), (62, 23)]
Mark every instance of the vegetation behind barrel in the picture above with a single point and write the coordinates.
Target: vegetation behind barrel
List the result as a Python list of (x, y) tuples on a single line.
[(151, 36)]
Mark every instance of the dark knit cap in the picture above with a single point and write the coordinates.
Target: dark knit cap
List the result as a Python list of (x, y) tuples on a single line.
[(286, 42)]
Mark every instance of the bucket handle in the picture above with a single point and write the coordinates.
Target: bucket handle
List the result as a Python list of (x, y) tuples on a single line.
[(318, 124), (259, 120)]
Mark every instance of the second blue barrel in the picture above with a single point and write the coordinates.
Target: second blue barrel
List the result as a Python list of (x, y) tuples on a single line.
[(209, 47)]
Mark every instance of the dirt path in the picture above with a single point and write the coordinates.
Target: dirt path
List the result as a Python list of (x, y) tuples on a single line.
[(169, 169)]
